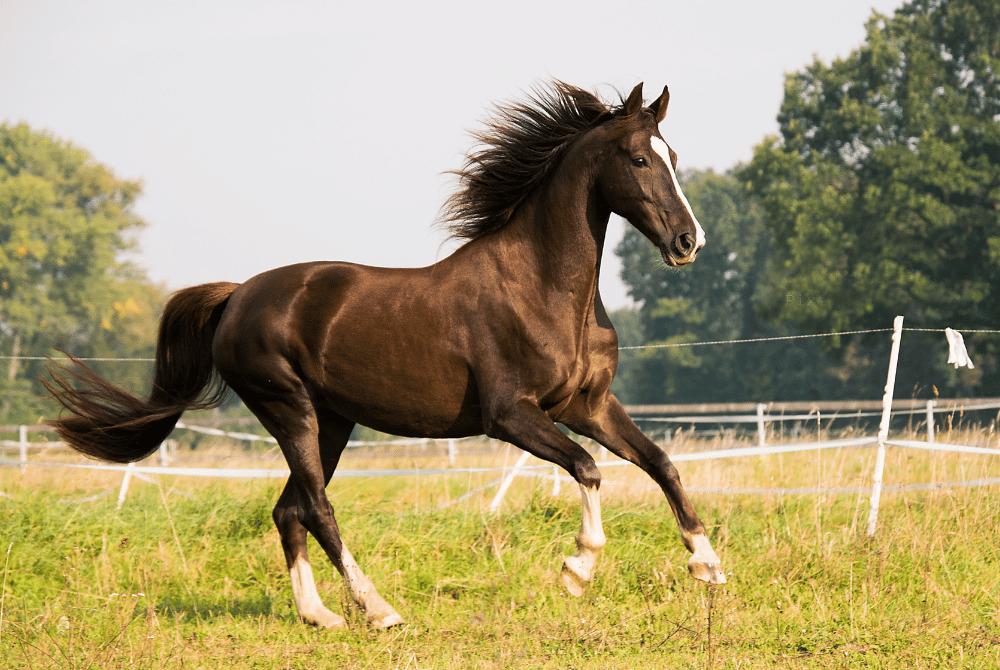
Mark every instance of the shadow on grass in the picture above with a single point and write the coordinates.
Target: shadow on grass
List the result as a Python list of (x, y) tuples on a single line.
[(209, 608)]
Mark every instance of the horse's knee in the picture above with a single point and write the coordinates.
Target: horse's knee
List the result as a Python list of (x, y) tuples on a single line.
[(661, 463), (298, 519), (282, 516), (586, 473)]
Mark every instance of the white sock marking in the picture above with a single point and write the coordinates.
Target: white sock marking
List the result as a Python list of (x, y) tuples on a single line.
[(360, 586), (380, 613), (579, 568), (307, 600), (591, 529), (703, 549), (591, 539), (704, 563), (311, 608)]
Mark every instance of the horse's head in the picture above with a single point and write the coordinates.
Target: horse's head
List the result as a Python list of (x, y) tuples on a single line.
[(638, 180)]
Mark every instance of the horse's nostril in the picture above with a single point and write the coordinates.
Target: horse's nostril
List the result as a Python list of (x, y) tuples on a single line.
[(684, 244)]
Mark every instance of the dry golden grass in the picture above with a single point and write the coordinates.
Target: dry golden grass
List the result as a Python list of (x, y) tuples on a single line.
[(189, 572)]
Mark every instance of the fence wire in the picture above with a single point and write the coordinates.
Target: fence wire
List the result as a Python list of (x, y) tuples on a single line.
[(638, 346)]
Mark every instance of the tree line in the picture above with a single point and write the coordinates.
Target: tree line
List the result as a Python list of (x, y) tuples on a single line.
[(65, 224), (880, 195)]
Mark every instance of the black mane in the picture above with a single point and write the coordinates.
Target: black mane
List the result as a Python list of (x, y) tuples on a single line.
[(522, 144)]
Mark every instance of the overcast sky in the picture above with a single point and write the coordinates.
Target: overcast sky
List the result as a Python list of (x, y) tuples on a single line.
[(267, 133)]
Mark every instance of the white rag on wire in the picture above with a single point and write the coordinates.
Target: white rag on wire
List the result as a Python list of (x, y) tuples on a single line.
[(957, 353)]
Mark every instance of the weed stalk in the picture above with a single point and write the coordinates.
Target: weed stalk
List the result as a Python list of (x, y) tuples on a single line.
[(3, 591), (711, 604)]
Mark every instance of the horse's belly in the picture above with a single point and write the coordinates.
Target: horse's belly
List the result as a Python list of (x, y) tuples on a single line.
[(413, 401)]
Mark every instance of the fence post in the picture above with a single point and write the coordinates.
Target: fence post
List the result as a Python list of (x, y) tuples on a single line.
[(507, 480), (556, 484), (22, 438), (452, 452), (126, 480), (883, 429), (761, 431), (930, 421)]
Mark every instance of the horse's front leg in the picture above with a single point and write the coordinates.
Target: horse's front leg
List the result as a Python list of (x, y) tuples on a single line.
[(611, 426), (525, 425), (578, 569)]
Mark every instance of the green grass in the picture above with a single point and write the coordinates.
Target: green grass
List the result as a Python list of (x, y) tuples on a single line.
[(189, 573)]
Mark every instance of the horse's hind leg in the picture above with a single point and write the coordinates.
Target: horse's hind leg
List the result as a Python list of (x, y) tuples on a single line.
[(293, 542), (312, 456)]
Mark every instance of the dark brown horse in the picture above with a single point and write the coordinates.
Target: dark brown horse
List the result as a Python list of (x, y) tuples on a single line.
[(505, 337)]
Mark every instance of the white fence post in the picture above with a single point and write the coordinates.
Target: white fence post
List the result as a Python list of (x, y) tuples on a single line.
[(930, 421), (452, 452), (22, 438), (761, 430), (507, 480), (883, 430), (126, 480)]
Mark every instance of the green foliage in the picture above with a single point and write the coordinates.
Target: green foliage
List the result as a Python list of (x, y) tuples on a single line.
[(879, 197), (65, 221), (628, 325), (714, 299), (883, 189)]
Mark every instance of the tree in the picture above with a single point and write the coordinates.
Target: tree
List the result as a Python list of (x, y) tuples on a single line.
[(628, 324), (701, 302), (882, 191), (65, 222), (714, 299)]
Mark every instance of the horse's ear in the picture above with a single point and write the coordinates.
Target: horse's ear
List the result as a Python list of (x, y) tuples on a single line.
[(659, 106), (634, 102)]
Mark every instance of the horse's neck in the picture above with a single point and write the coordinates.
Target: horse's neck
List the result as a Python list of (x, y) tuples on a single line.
[(557, 238)]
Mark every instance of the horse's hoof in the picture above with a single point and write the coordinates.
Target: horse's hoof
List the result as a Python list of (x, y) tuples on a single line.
[(571, 578), (706, 571), (326, 619), (386, 619), (704, 564)]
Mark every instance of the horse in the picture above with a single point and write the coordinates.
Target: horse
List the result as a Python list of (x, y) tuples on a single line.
[(505, 337)]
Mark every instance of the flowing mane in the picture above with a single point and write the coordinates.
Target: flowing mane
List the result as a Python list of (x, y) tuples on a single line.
[(522, 144)]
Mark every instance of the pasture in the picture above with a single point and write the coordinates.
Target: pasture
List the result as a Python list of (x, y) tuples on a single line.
[(189, 573)]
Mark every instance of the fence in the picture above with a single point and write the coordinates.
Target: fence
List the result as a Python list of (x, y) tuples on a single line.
[(682, 414), (818, 411), (693, 414), (674, 414)]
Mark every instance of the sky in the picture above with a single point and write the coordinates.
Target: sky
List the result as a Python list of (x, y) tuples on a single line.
[(271, 132)]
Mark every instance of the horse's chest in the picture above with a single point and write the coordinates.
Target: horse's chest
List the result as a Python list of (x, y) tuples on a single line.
[(584, 375)]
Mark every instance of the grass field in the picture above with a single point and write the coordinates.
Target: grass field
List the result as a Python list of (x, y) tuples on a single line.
[(189, 573)]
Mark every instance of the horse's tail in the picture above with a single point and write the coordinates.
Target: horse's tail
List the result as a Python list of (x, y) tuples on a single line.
[(108, 423)]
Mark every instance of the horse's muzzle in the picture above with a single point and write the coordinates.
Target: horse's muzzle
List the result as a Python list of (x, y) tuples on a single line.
[(682, 250)]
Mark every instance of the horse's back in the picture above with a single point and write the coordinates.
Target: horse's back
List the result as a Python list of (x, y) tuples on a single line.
[(370, 343)]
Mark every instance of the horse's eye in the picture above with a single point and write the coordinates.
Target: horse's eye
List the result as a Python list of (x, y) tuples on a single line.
[(640, 162)]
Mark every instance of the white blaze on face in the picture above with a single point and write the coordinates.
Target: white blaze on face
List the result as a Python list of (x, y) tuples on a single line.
[(663, 151)]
